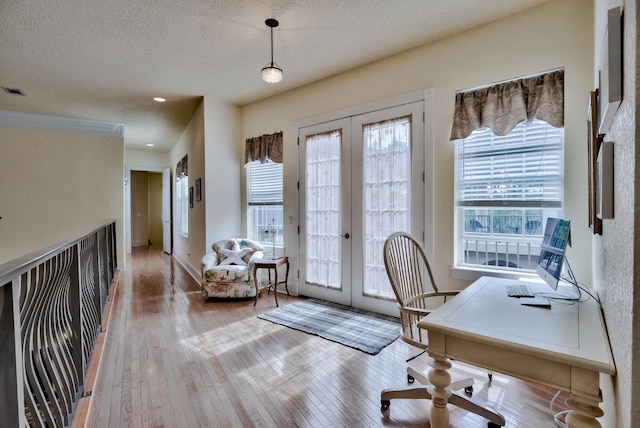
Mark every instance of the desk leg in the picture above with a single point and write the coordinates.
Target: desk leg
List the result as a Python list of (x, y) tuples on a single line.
[(584, 401), (439, 379), (583, 414)]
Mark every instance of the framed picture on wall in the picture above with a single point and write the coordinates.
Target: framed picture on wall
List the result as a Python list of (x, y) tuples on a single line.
[(190, 196), (198, 189), (593, 146), (610, 72)]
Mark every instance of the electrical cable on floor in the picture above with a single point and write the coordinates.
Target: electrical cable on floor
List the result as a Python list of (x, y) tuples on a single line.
[(557, 416), (416, 356)]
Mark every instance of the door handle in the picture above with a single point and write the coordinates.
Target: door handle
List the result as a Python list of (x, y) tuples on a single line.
[(346, 236)]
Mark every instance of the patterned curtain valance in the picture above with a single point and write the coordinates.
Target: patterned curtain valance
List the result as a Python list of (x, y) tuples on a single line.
[(501, 107), (264, 148), (182, 168)]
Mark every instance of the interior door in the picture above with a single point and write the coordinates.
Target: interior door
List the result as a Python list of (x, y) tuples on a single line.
[(361, 179), (166, 211)]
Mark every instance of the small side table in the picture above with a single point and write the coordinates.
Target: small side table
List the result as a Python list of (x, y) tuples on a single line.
[(270, 264)]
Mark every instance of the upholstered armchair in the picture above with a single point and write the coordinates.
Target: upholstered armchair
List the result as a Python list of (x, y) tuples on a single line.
[(227, 271)]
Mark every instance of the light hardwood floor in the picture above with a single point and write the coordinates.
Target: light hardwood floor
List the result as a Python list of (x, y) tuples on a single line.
[(171, 359)]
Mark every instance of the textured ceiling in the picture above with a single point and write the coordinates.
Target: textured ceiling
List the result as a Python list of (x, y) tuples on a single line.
[(107, 59)]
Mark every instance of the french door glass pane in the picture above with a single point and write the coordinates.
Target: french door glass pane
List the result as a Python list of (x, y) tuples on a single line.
[(323, 216), (387, 178)]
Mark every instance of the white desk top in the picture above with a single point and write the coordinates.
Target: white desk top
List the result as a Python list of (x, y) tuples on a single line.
[(574, 334)]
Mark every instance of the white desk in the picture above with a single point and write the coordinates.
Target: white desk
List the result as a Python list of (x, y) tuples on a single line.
[(565, 347)]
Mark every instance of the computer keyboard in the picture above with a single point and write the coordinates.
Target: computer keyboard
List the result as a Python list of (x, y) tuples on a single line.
[(519, 290)]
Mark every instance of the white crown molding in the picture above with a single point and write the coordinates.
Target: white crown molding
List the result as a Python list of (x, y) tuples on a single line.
[(58, 123)]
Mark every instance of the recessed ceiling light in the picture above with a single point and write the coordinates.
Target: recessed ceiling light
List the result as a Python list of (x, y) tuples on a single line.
[(159, 99), (13, 91), (150, 145)]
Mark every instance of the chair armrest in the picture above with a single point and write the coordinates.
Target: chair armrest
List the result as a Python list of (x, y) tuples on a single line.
[(430, 295), (415, 311), (208, 261), (255, 257), (444, 293)]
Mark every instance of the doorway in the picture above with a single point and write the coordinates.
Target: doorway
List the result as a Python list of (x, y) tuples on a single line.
[(148, 209), (361, 179)]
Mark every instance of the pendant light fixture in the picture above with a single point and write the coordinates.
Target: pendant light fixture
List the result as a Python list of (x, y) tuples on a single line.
[(271, 72)]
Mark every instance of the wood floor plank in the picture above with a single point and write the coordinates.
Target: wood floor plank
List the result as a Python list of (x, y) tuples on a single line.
[(170, 359)]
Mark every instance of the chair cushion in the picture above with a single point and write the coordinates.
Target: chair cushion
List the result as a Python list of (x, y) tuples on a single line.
[(235, 244), (234, 257)]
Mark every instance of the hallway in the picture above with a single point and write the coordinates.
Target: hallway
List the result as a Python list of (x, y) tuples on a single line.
[(172, 360)]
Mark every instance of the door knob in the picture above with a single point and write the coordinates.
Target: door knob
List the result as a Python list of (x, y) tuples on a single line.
[(346, 236)]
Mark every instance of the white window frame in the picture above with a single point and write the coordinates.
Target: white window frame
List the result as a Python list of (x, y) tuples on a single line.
[(182, 206), (500, 214), (265, 205)]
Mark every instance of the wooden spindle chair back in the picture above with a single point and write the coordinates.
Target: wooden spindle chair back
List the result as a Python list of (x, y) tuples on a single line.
[(413, 284)]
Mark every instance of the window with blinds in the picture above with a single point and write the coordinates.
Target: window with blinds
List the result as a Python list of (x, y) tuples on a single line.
[(506, 187), (264, 199), (182, 205)]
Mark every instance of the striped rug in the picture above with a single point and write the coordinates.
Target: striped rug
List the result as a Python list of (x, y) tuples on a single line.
[(362, 330)]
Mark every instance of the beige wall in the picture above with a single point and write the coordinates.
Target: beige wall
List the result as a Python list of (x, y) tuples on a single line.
[(56, 185), (557, 34), (189, 250), (224, 156), (144, 160), (614, 255)]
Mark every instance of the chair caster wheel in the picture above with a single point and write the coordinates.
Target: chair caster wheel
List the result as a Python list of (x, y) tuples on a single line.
[(492, 425), (410, 378), (468, 390), (490, 378), (384, 404)]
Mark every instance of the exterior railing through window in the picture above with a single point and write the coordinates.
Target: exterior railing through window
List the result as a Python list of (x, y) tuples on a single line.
[(503, 238), (46, 345)]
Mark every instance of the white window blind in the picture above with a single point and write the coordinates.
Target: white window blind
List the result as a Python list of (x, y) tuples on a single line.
[(522, 169), (265, 183)]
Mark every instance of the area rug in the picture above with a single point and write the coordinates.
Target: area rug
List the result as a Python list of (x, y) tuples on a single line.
[(362, 330)]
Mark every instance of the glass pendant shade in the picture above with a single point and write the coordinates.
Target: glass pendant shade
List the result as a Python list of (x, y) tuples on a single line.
[(271, 73)]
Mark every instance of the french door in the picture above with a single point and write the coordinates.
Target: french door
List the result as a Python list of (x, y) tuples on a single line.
[(361, 179)]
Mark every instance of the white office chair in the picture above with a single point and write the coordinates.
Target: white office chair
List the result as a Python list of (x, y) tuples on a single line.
[(417, 295)]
